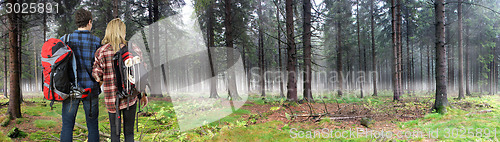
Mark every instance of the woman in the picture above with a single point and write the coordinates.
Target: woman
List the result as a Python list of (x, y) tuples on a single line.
[(104, 73)]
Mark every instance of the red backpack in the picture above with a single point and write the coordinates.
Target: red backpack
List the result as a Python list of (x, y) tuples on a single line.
[(59, 65)]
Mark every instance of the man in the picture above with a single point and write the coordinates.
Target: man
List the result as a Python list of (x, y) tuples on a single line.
[(84, 45)]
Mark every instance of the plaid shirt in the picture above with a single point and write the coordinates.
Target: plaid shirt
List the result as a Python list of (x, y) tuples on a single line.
[(103, 71), (84, 45)]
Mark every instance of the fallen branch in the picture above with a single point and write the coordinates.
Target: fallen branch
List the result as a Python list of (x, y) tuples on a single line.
[(347, 117), (326, 109), (409, 116), (480, 112), (52, 139), (310, 115)]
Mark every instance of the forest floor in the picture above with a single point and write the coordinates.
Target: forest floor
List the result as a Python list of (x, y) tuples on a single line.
[(273, 119)]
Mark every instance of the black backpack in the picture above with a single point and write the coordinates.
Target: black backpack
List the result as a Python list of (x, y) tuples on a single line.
[(125, 87)]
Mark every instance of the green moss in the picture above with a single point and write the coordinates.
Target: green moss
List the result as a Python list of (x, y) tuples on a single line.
[(21, 120), (16, 133), (5, 121), (4, 137)]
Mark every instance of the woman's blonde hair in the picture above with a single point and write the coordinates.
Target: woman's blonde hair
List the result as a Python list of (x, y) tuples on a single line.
[(115, 34)]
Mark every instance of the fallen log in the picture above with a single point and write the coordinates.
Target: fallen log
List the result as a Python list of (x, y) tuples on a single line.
[(347, 117), (331, 118)]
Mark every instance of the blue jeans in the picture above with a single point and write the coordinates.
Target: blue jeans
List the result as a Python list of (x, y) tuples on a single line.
[(69, 110)]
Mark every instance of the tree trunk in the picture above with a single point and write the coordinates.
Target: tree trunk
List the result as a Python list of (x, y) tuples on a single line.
[(422, 68), (153, 81), (262, 79), (292, 57), (467, 63), (460, 53), (441, 100), (493, 73), (280, 64), (115, 8), (359, 47), (400, 47), (307, 51), (339, 58), (395, 49), (409, 68), (429, 66), (211, 44), (5, 91), (245, 65), (14, 109), (372, 30), (451, 71), (20, 55), (233, 90)]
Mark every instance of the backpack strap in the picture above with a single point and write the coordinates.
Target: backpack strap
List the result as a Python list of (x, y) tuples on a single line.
[(73, 61)]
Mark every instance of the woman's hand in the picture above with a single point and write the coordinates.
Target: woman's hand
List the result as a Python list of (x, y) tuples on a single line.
[(144, 101)]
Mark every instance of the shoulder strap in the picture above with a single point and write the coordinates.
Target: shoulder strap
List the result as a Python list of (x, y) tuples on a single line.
[(73, 60), (66, 39)]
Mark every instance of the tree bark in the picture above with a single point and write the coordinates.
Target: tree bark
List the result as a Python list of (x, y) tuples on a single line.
[(460, 53), (211, 44), (372, 30), (307, 51), (441, 100), (292, 57), (14, 109), (395, 48)]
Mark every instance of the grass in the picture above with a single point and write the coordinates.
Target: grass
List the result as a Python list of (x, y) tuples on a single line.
[(4, 138), (457, 125), (278, 131), (41, 123), (455, 119), (162, 124)]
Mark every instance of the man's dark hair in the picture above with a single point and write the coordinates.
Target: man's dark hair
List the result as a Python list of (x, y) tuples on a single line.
[(82, 17)]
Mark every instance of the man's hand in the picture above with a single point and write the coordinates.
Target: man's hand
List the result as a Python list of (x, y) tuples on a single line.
[(144, 101)]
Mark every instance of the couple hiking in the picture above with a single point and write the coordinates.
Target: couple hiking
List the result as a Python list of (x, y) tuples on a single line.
[(95, 70)]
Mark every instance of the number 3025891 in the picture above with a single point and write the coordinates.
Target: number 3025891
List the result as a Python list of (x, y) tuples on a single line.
[(31, 8)]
